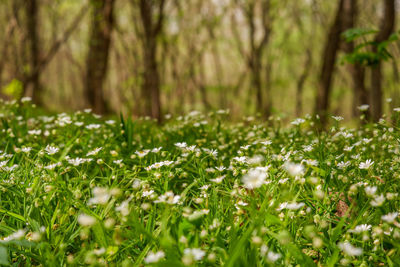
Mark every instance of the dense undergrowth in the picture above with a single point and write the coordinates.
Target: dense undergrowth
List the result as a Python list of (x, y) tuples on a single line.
[(81, 190)]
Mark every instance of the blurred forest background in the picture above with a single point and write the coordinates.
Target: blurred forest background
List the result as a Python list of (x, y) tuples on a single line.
[(155, 57)]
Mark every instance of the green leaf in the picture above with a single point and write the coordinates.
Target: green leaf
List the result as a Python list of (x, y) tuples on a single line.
[(355, 33), (13, 89), (4, 256)]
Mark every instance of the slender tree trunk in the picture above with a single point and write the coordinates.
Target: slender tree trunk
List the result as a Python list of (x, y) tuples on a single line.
[(151, 84), (360, 93), (97, 59), (386, 28), (301, 82), (32, 12), (256, 82), (151, 77), (332, 44)]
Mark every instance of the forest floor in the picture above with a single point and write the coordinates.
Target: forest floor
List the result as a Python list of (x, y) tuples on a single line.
[(79, 189)]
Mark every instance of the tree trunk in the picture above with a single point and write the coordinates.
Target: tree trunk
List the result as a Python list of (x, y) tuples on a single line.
[(256, 82), (386, 28), (360, 93), (151, 83), (301, 82), (97, 59), (332, 44), (32, 10), (151, 76)]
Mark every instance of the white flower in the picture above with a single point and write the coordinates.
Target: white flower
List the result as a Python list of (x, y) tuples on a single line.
[(93, 126), (370, 190), (298, 121), (142, 153), (343, 165), (360, 228), (101, 196), (365, 165), (124, 207), (220, 168), (156, 149), (290, 206), (94, 151), (158, 165), (86, 220), (78, 161), (390, 217), (147, 193), (272, 256), (378, 201), (349, 249), (266, 143), (218, 180), (51, 166), (51, 149), (26, 99), (181, 145), (363, 107), (240, 159), (337, 118), (154, 257), (294, 169), (15, 236), (168, 198), (99, 251), (255, 178), (3, 163), (34, 132), (196, 253), (26, 149)]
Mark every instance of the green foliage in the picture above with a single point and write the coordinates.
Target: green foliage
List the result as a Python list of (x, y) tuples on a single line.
[(364, 52), (13, 89), (77, 189)]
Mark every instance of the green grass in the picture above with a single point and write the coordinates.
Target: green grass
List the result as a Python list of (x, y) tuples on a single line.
[(82, 190)]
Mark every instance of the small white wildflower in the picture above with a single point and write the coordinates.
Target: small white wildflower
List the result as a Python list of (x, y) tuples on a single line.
[(294, 169), (154, 257), (181, 145), (254, 179), (366, 165), (51, 149), (101, 196), (298, 121), (272, 256), (93, 126), (338, 118), (142, 153), (370, 190), (26, 149), (218, 180), (26, 99), (349, 249), (378, 201), (360, 229), (364, 107), (197, 253), (86, 220), (147, 193), (343, 165), (94, 151), (16, 235), (390, 217), (290, 206)]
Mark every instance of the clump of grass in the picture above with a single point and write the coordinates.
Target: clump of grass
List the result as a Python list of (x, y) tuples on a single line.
[(79, 189)]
